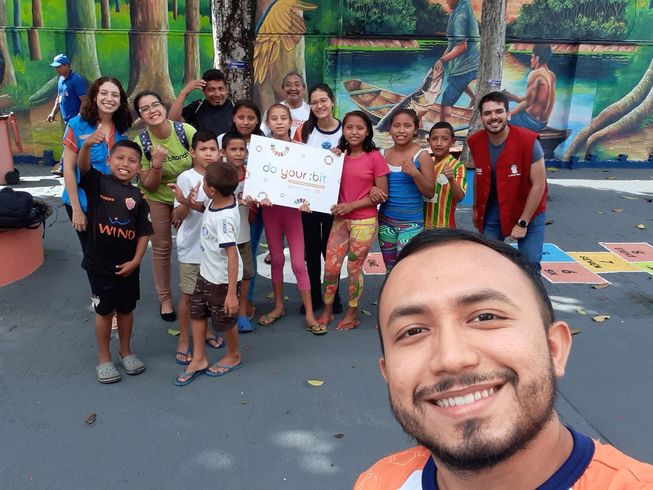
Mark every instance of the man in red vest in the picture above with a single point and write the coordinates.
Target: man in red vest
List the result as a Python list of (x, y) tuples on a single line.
[(510, 186)]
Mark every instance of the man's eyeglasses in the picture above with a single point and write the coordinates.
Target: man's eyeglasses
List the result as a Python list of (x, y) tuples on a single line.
[(147, 108)]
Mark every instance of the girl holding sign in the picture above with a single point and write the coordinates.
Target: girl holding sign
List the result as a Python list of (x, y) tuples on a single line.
[(321, 130), (280, 221), (355, 216), (410, 181)]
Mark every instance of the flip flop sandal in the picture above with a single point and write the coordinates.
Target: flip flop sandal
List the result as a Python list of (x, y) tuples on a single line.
[(107, 373), (245, 325), (132, 364), (189, 352), (187, 378), (268, 319), (317, 328), (227, 370), (348, 325), (215, 342)]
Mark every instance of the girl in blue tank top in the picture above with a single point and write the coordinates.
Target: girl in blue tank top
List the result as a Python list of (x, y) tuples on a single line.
[(411, 179)]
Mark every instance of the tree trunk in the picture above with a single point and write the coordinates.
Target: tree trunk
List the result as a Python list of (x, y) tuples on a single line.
[(33, 33), (7, 74), (191, 41), (175, 9), (80, 38), (490, 71), (233, 41), (117, 6), (105, 12), (148, 48), (15, 33)]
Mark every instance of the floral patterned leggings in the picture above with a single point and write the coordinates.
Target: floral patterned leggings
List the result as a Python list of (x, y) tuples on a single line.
[(352, 238)]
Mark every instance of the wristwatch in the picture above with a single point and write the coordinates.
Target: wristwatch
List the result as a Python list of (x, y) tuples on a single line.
[(522, 223)]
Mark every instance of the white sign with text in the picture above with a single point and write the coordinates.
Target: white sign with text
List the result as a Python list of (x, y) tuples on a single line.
[(290, 174)]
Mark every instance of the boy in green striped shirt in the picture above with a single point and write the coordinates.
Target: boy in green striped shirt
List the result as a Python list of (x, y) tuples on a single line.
[(450, 180)]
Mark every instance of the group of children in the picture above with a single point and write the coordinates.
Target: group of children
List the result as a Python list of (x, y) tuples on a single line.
[(391, 195)]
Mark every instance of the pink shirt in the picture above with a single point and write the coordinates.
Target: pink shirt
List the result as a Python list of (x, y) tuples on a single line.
[(358, 175)]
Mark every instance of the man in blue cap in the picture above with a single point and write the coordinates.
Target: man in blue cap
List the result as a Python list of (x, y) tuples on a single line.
[(71, 95)]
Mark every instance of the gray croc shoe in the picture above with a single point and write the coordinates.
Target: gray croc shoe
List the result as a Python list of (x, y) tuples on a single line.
[(107, 373), (132, 364)]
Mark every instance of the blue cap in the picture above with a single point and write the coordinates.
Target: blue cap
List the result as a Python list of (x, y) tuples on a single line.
[(60, 59)]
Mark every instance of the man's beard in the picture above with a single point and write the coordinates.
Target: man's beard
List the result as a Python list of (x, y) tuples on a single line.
[(479, 450), (496, 131)]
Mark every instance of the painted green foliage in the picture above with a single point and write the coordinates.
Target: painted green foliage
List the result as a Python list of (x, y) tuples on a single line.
[(418, 18)]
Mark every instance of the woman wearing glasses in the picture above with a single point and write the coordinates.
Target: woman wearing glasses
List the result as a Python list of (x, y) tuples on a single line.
[(166, 154), (321, 130)]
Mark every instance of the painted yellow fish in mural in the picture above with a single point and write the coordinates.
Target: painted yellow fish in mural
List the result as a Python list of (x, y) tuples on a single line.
[(281, 26)]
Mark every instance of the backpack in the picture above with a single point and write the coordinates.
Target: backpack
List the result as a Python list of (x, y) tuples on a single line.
[(146, 141), (19, 209)]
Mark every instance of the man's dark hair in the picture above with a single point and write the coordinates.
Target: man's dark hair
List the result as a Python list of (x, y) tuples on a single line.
[(223, 177), (202, 136), (214, 74), (433, 238), (293, 74), (232, 136), (493, 97), (442, 125), (127, 144), (543, 52)]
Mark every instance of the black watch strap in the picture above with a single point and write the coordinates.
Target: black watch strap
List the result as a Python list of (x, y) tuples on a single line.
[(522, 223)]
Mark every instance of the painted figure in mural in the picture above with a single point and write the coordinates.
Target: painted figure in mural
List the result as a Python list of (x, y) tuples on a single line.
[(355, 222), (510, 194), (535, 107), (166, 154), (294, 89), (213, 113), (71, 95), (107, 112), (321, 130), (462, 55), (471, 353), (410, 181), (450, 179)]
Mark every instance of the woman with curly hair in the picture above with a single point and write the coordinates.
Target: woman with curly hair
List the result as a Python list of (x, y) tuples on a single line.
[(107, 111)]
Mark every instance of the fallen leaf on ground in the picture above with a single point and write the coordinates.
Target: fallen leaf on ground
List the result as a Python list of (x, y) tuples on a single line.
[(90, 420), (552, 169), (264, 245), (617, 210), (339, 435), (581, 311), (611, 177), (641, 226), (600, 318), (270, 295), (600, 212), (601, 286), (549, 222), (286, 298), (173, 331), (630, 198), (373, 303), (315, 382), (575, 331), (366, 312)]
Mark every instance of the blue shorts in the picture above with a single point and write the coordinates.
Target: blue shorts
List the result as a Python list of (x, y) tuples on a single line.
[(455, 86), (525, 120)]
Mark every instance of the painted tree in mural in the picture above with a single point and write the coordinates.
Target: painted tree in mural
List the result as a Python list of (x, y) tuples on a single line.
[(626, 114), (80, 38), (233, 43), (33, 33), (279, 46), (15, 33), (148, 48), (105, 14), (493, 36), (191, 41), (7, 74)]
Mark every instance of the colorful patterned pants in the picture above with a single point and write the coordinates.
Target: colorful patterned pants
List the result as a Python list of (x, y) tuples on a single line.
[(352, 238), (393, 235)]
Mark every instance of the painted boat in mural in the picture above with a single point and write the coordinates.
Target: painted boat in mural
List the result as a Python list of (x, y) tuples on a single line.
[(377, 102)]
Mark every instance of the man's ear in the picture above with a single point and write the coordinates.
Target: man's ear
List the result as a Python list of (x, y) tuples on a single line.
[(382, 367), (559, 340)]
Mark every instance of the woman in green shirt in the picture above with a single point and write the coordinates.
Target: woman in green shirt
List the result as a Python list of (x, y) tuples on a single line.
[(166, 154)]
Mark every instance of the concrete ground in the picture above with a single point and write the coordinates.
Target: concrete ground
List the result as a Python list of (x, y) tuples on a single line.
[(264, 426)]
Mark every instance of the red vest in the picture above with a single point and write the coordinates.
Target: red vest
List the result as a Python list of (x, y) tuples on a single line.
[(512, 172)]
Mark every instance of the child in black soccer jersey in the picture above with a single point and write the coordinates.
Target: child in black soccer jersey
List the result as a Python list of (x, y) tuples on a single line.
[(118, 232)]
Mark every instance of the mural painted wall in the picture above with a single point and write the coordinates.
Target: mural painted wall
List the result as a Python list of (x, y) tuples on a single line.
[(579, 71)]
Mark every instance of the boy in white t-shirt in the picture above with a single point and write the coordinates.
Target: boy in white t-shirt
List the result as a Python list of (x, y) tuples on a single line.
[(221, 268), (204, 150)]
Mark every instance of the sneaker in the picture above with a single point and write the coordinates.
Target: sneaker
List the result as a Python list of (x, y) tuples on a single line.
[(337, 305), (57, 169)]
